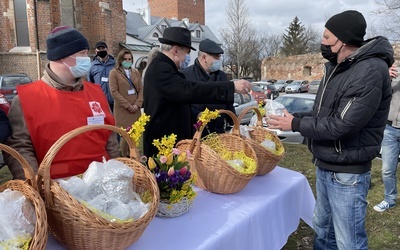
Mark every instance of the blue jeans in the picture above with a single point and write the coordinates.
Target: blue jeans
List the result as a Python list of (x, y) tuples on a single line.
[(339, 214), (390, 154)]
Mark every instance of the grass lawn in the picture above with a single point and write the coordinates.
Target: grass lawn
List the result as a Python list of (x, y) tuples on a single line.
[(383, 228)]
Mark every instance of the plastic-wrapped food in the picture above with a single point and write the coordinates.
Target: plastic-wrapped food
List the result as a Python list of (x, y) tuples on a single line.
[(106, 188), (273, 108), (269, 144), (17, 220)]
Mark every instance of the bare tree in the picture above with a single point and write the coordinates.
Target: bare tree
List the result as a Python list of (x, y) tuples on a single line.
[(389, 12), (272, 45), (238, 38)]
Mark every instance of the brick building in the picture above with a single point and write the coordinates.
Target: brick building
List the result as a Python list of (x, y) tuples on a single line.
[(302, 67), (26, 24), (179, 9)]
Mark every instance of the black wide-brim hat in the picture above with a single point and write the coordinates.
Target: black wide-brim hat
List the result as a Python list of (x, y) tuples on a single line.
[(177, 36)]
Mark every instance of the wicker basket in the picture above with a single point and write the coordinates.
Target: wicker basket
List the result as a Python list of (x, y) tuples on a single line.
[(267, 159), (28, 188), (214, 174), (76, 226)]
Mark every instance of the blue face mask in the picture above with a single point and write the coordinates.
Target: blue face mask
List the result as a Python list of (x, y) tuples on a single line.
[(82, 66), (126, 64), (186, 62), (216, 65)]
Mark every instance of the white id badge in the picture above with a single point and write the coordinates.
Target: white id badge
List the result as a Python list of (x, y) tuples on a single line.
[(95, 120), (131, 92), (104, 79)]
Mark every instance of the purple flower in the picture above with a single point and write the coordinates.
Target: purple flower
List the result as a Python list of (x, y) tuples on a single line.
[(197, 125)]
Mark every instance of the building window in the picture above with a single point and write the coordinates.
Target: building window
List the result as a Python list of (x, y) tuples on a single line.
[(198, 34), (21, 23), (163, 27), (307, 71), (194, 2), (155, 34)]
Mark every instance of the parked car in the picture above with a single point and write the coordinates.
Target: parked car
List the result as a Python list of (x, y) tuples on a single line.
[(242, 101), (268, 88), (280, 85), (4, 104), (313, 86), (294, 103), (9, 82), (297, 86), (258, 93)]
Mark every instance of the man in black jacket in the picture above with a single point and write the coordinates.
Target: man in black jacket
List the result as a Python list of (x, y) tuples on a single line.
[(5, 127), (206, 68), (168, 95), (345, 129)]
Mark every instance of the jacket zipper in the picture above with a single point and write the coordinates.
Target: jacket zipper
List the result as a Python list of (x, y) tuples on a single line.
[(347, 107)]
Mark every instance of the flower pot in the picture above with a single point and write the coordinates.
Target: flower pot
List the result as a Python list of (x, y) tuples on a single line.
[(168, 210)]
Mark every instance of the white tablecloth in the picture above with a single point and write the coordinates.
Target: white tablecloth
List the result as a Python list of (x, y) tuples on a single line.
[(261, 216)]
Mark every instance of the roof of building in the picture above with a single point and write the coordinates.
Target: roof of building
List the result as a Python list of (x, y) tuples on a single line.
[(137, 27)]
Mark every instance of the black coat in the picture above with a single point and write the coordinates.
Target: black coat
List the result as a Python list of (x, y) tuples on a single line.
[(350, 111), (196, 73), (5, 127), (167, 99)]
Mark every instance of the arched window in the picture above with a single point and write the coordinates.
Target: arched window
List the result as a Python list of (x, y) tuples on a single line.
[(155, 34), (21, 23)]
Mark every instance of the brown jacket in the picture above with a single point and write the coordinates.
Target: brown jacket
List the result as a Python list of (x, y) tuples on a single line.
[(119, 86)]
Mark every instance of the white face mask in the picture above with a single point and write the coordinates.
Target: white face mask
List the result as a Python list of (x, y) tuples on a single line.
[(82, 66)]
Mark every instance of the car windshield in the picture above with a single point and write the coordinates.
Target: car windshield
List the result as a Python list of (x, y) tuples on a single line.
[(314, 83), (271, 87), (256, 88), (12, 81), (295, 83), (296, 104)]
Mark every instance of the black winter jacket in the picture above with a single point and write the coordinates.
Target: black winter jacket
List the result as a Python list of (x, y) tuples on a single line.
[(345, 128), (196, 73), (167, 99)]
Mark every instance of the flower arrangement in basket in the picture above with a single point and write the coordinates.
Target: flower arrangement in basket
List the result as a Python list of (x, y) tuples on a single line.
[(173, 177), (171, 170), (224, 163)]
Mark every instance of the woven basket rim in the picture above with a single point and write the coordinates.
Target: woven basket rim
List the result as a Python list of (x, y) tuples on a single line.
[(29, 189)]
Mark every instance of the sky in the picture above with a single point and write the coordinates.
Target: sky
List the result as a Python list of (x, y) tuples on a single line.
[(272, 17)]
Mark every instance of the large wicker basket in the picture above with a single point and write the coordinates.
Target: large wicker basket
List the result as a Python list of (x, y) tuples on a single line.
[(267, 159), (76, 226), (214, 174), (28, 188)]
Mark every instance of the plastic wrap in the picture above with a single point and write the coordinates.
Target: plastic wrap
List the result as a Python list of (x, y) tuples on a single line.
[(106, 188), (17, 219), (273, 108)]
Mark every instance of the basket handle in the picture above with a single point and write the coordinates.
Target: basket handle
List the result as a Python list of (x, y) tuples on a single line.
[(195, 144), (258, 113), (28, 171), (44, 168)]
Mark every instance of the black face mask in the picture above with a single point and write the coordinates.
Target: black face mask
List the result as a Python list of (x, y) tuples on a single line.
[(327, 53), (102, 53)]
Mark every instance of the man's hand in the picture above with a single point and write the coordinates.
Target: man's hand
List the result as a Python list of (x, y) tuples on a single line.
[(280, 122), (242, 86)]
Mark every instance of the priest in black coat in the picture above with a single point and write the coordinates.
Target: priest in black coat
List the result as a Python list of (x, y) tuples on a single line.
[(168, 95)]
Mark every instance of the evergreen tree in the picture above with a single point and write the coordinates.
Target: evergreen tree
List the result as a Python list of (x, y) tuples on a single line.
[(295, 39)]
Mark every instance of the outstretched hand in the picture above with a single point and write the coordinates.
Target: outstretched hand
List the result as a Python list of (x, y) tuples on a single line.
[(242, 86), (280, 122)]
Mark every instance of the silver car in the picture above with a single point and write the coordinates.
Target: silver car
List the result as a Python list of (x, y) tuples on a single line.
[(297, 87), (294, 103), (280, 85), (242, 101), (313, 87)]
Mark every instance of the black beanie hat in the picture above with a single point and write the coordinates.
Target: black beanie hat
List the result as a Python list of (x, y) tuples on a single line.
[(349, 26), (64, 41)]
